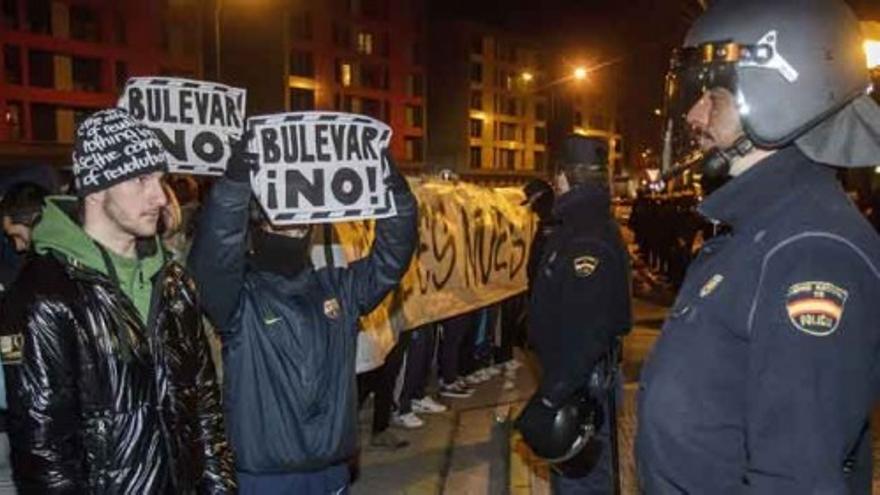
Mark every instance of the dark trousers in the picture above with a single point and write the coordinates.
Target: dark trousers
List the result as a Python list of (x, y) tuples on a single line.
[(332, 480), (455, 330), (511, 316), (418, 360), (380, 382), (467, 354)]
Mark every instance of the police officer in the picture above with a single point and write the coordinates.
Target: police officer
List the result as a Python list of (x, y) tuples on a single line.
[(579, 307), (766, 370), (539, 199)]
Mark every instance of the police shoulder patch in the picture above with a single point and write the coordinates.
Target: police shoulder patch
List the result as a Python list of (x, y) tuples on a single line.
[(815, 307), (584, 266)]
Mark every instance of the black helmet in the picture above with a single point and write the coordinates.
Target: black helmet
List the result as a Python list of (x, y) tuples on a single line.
[(798, 73), (584, 160), (559, 433)]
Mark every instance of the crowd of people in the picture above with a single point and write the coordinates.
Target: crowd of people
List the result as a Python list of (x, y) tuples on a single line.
[(114, 356)]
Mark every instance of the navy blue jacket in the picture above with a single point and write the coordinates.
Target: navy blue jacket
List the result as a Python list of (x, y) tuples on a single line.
[(580, 299), (289, 344), (767, 367)]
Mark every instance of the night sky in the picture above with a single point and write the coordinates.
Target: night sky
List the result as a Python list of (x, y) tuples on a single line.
[(639, 34)]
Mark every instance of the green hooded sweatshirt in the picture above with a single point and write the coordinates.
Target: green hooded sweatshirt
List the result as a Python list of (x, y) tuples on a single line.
[(58, 232)]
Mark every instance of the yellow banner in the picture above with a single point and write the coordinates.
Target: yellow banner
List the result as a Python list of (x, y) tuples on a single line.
[(473, 250)]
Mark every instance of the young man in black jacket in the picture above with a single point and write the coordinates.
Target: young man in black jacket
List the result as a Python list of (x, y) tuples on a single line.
[(289, 333), (110, 384)]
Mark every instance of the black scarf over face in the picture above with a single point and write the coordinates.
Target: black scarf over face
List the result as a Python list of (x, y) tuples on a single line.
[(280, 254)]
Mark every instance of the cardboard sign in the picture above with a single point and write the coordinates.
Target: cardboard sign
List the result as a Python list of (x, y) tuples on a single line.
[(195, 120), (318, 167)]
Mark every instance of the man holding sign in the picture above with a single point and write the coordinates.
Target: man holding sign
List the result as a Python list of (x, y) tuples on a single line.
[(290, 331)]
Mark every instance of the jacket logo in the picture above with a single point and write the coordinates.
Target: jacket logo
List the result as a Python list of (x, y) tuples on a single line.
[(584, 266), (711, 285), (332, 309), (815, 308), (10, 348), (272, 320)]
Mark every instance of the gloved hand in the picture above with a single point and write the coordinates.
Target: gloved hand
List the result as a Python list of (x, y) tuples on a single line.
[(241, 161), (395, 181)]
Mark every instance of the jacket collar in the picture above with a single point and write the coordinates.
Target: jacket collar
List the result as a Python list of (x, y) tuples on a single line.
[(752, 199), (582, 201)]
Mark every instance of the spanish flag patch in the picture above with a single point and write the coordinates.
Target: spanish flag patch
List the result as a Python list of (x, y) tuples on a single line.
[(815, 308)]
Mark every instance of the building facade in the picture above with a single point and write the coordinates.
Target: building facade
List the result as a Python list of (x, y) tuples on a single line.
[(363, 56), (63, 59), (498, 102)]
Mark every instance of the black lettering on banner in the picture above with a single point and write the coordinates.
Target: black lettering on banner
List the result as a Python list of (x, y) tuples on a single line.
[(231, 113), (167, 117), (337, 135), (347, 186), (306, 157), (208, 147), (369, 134), (216, 110), (202, 101), (154, 107), (175, 148), (185, 106), (136, 103), (321, 141), (499, 241), (269, 145), (354, 149), (289, 145), (298, 184)]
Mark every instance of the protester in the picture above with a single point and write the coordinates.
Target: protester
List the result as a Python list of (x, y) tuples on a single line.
[(20, 209), (413, 398), (381, 383), (452, 340), (289, 332), (764, 377), (579, 308), (111, 390)]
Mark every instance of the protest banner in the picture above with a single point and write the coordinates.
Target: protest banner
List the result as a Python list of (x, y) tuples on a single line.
[(472, 252), (195, 120), (318, 167)]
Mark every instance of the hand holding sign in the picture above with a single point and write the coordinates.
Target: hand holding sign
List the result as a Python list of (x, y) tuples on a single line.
[(320, 167), (194, 120)]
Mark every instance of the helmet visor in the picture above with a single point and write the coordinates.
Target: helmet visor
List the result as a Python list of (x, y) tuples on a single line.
[(694, 72)]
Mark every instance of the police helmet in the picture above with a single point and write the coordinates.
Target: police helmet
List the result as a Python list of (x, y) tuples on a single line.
[(559, 433), (797, 71), (584, 159)]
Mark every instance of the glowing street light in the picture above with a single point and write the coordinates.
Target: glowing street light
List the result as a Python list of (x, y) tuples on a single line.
[(872, 50), (527, 77), (580, 73)]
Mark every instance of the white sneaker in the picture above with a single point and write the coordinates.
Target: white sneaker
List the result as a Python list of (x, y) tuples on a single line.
[(492, 371), (508, 385), (513, 365), (456, 390), (477, 377), (427, 405), (408, 421)]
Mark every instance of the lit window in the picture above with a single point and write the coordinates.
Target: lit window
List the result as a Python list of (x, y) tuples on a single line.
[(365, 43), (872, 49), (346, 75)]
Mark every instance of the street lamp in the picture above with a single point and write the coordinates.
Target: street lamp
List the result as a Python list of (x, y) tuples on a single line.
[(527, 77), (580, 73), (872, 50)]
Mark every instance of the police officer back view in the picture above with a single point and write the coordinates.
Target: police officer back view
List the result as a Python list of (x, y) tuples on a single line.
[(580, 305), (766, 370)]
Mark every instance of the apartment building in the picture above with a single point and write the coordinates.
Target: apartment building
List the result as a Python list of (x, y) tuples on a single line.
[(63, 59)]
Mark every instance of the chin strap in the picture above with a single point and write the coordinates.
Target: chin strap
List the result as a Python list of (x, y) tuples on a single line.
[(717, 163)]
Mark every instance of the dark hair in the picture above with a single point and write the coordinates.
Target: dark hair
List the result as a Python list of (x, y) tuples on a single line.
[(23, 203)]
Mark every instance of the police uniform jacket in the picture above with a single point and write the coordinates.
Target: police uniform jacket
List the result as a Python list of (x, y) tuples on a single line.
[(580, 299), (763, 378)]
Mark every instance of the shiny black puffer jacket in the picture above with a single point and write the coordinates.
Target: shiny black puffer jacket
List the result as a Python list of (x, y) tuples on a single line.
[(100, 402)]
